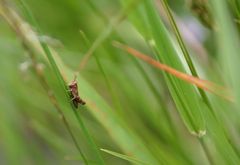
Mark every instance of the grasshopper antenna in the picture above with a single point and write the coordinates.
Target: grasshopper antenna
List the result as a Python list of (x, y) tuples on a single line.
[(75, 76)]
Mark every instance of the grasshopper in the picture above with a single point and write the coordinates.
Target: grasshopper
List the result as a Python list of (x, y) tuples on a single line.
[(73, 88)]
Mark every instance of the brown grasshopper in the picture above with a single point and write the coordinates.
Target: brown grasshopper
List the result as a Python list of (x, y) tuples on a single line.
[(73, 88)]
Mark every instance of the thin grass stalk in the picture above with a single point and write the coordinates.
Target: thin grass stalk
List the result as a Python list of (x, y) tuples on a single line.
[(124, 157), (61, 80), (111, 121), (54, 102), (107, 31), (43, 82), (146, 77), (107, 81), (206, 151), (152, 87)]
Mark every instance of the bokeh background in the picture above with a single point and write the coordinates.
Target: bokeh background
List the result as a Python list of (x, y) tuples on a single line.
[(135, 94)]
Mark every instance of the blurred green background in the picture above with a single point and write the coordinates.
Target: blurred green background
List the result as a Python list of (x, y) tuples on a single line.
[(144, 118)]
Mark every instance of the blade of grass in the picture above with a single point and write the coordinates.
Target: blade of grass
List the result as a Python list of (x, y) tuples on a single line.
[(188, 105), (153, 88), (61, 81), (52, 98), (187, 78), (185, 51), (159, 34), (194, 72), (108, 30), (124, 157), (184, 95), (107, 81), (141, 69), (126, 139), (202, 84), (54, 102)]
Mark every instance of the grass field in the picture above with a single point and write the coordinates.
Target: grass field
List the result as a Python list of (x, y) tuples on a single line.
[(159, 77)]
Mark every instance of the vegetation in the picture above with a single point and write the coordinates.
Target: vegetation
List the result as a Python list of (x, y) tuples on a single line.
[(159, 78)]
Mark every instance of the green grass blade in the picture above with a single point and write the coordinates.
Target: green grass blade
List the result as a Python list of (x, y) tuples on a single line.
[(124, 157), (126, 139), (107, 31), (61, 81), (184, 95), (185, 51), (152, 86)]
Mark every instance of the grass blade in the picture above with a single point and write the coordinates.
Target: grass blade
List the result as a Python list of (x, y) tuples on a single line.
[(124, 157), (202, 84), (107, 31), (61, 81)]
